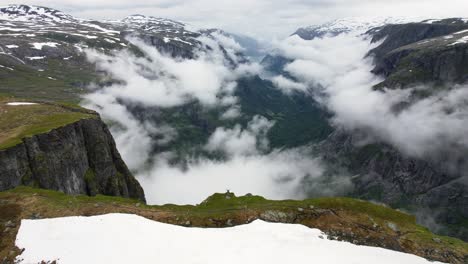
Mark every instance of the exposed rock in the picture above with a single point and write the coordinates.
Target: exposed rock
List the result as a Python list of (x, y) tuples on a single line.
[(399, 35), (10, 224), (420, 53), (393, 226), (384, 174), (277, 216), (80, 158), (36, 216)]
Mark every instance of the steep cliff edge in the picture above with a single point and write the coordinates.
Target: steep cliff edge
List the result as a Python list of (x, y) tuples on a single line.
[(421, 53), (435, 190), (77, 155)]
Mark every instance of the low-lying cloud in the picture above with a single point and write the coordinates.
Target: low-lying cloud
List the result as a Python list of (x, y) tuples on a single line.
[(248, 168), (248, 165), (338, 68), (173, 82)]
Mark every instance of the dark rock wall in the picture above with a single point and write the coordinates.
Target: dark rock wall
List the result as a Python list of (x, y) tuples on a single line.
[(80, 158), (404, 63), (427, 188)]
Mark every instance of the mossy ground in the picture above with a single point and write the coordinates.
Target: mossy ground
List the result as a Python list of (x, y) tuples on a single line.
[(58, 80), (347, 219), (18, 122)]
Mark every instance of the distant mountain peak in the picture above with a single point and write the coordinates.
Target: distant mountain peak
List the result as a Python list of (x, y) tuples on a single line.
[(33, 13), (142, 19), (346, 25)]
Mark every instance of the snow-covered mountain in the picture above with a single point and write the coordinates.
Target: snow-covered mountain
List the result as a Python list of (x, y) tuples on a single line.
[(34, 13), (47, 44), (25, 21), (351, 24)]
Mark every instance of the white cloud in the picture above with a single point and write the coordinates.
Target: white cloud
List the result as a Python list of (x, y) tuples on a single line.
[(337, 67), (287, 85), (158, 80), (161, 81), (132, 137), (279, 174), (231, 113), (238, 142)]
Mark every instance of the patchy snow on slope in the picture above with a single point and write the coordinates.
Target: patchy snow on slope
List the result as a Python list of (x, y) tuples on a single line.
[(361, 24), (33, 13), (12, 46), (122, 238), (39, 45), (461, 32), (462, 40), (105, 30)]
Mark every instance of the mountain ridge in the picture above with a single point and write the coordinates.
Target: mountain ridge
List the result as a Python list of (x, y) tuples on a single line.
[(257, 96)]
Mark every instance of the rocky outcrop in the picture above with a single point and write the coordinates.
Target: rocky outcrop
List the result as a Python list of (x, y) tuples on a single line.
[(399, 35), (79, 158), (432, 189), (418, 53), (437, 65), (175, 50)]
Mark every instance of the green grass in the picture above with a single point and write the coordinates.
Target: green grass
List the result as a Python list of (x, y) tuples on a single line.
[(26, 81), (18, 122)]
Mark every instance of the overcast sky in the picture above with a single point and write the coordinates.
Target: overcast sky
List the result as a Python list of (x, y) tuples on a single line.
[(261, 18)]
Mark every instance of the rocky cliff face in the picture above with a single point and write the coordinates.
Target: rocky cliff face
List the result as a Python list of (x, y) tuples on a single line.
[(418, 53), (430, 188), (79, 158)]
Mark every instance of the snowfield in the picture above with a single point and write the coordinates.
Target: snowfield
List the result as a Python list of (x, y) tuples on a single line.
[(122, 238)]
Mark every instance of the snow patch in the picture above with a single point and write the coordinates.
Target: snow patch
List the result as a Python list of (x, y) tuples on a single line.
[(20, 103), (39, 45), (432, 21), (36, 58), (11, 69), (461, 32), (101, 28), (122, 238), (12, 46), (460, 41)]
